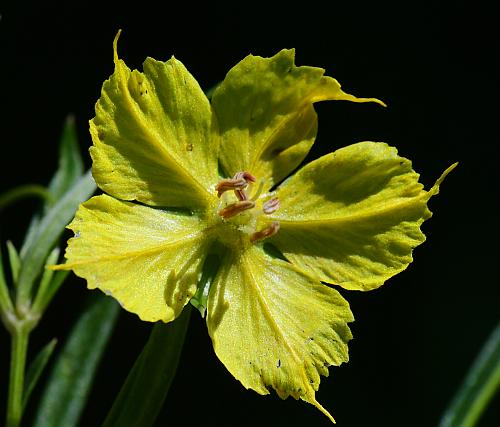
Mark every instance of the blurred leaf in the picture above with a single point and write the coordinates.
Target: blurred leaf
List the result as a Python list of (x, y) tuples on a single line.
[(70, 169), (70, 161), (49, 230), (15, 262), (479, 386), (36, 368), (23, 192), (5, 301), (49, 283), (144, 391), (48, 274), (45, 295), (69, 383)]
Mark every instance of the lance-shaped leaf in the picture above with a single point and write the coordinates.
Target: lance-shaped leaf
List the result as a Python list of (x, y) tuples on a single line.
[(151, 136), (70, 167), (49, 230), (69, 171), (265, 114), (353, 217), (150, 260), (478, 388), (69, 383), (141, 397), (36, 368), (262, 331)]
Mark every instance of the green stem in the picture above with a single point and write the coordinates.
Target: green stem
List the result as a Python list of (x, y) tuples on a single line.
[(22, 192), (19, 348)]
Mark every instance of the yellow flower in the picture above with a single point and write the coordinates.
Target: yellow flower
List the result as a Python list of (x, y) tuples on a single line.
[(186, 178)]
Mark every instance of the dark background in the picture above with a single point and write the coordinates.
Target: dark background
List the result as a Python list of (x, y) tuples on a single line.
[(437, 69)]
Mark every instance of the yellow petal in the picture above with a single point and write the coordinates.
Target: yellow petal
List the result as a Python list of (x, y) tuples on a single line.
[(274, 327), (152, 136), (265, 114), (353, 217), (148, 259)]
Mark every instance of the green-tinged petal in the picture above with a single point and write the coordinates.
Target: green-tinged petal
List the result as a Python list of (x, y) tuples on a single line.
[(353, 217), (148, 259), (265, 114), (274, 327), (152, 136)]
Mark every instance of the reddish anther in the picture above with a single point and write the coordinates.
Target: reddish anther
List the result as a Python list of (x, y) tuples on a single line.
[(272, 205), (237, 183), (247, 176), (230, 184), (236, 208), (269, 231)]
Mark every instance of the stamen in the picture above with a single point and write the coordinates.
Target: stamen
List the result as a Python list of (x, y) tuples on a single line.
[(247, 176), (236, 208), (269, 231), (237, 183), (241, 195), (230, 184), (272, 205)]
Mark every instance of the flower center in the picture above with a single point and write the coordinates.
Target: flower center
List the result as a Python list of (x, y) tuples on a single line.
[(240, 208)]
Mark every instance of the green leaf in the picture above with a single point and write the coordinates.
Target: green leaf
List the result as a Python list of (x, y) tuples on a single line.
[(70, 162), (70, 169), (48, 286), (5, 301), (146, 387), (69, 383), (14, 260), (479, 386), (36, 368), (45, 295), (49, 230), (22, 192)]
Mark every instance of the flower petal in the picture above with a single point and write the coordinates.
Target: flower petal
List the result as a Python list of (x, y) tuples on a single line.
[(273, 326), (148, 259), (265, 114), (152, 136), (353, 217)]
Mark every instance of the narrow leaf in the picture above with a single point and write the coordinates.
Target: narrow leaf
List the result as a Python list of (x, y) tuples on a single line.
[(69, 383), (70, 162), (23, 192), (142, 396), (49, 230), (5, 301), (47, 276), (36, 368), (70, 169), (14, 260), (479, 386), (45, 295)]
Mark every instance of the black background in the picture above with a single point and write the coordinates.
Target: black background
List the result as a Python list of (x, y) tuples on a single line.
[(436, 66)]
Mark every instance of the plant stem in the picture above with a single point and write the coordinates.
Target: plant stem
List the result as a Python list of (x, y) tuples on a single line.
[(19, 348)]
